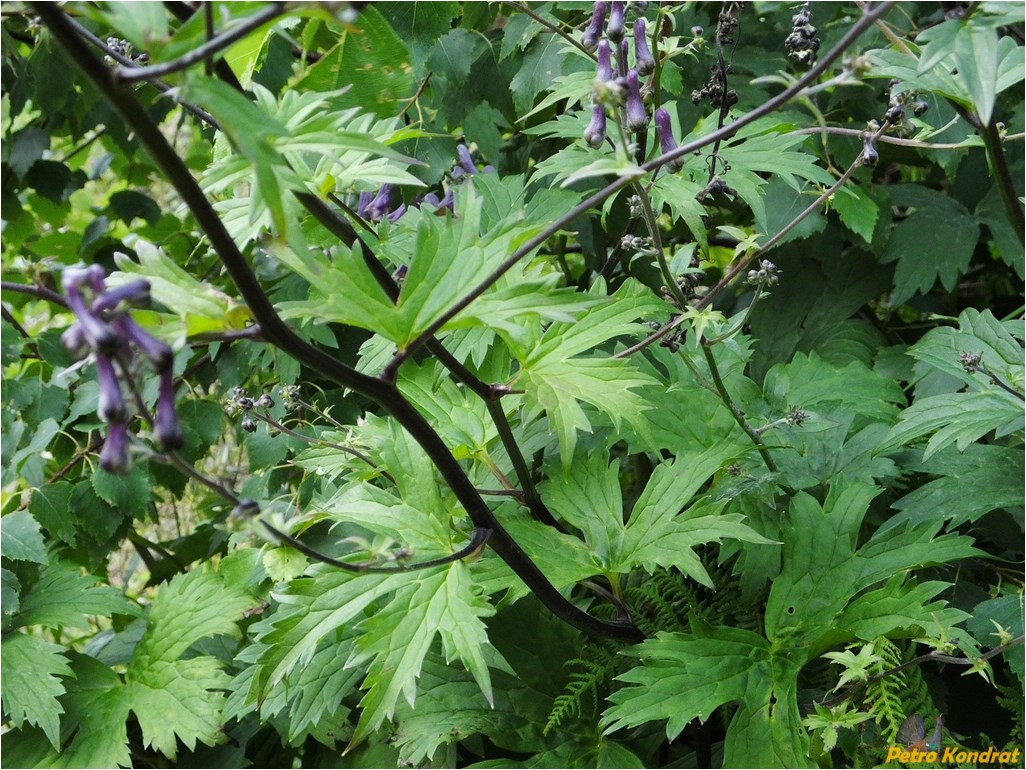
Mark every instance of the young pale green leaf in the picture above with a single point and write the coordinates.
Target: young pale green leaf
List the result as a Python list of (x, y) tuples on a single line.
[(32, 683), (63, 596)]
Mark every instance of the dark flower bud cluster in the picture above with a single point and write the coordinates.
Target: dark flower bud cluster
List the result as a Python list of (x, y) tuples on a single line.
[(869, 156), (126, 50), (802, 43), (241, 402), (970, 361), (766, 275), (104, 328)]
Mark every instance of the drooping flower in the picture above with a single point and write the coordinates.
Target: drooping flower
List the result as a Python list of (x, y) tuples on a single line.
[(158, 353), (615, 29), (604, 71), (595, 133), (591, 35), (664, 132), (166, 427), (111, 402), (114, 455), (637, 115), (643, 60)]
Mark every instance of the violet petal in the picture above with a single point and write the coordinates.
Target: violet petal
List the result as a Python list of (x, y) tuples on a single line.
[(166, 426), (637, 115), (159, 353), (664, 132), (604, 72), (594, 31), (114, 456), (642, 55), (133, 294), (112, 403), (595, 133), (466, 161), (615, 28)]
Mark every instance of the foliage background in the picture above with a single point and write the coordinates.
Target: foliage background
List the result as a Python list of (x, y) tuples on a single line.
[(805, 497)]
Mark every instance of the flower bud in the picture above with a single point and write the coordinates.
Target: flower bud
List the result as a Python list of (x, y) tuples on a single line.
[(642, 55), (594, 31), (98, 333), (637, 115), (466, 161), (595, 133), (166, 427), (264, 402), (869, 155), (114, 456), (111, 407), (664, 132), (132, 294), (604, 71), (615, 28), (159, 353), (249, 424)]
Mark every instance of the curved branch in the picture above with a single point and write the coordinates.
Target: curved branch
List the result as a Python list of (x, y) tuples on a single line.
[(277, 332)]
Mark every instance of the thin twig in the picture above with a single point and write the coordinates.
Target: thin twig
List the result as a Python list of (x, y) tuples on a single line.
[(525, 9), (735, 411), (208, 49)]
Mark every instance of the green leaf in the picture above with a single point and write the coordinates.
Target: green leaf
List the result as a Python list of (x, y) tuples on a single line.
[(371, 60), (51, 507), (31, 684), (139, 22), (63, 596), (955, 418), (934, 242), (976, 61), (97, 710), (20, 538), (857, 211), (396, 639), (129, 493), (176, 698), (541, 65)]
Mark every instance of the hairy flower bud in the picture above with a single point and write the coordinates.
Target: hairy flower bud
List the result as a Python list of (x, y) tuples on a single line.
[(114, 456), (595, 133), (594, 31), (166, 427), (664, 132), (604, 71), (637, 115), (615, 28), (642, 55), (869, 155), (112, 403)]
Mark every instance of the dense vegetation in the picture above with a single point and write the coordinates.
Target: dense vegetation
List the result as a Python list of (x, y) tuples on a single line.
[(505, 384)]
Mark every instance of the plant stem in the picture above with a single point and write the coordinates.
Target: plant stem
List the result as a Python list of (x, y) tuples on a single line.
[(278, 333), (208, 49), (735, 410)]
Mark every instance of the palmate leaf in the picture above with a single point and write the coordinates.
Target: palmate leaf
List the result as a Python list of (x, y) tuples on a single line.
[(63, 596), (815, 602), (657, 534), (31, 684), (175, 698), (555, 379)]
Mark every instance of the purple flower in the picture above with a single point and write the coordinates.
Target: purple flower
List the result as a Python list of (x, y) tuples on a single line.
[(621, 58), (446, 202), (642, 55), (591, 35), (166, 427), (666, 141), (595, 133), (114, 457), (112, 403), (637, 115), (97, 332), (74, 340), (466, 161), (615, 28), (132, 294), (157, 352), (604, 73)]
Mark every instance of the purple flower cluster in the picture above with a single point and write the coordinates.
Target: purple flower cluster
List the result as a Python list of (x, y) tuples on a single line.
[(625, 88), (374, 207), (104, 328)]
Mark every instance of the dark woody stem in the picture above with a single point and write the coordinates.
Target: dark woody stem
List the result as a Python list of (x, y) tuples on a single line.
[(275, 331)]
